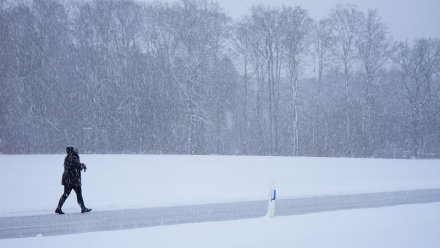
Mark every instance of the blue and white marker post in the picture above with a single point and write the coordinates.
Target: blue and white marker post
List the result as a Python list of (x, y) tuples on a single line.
[(272, 199)]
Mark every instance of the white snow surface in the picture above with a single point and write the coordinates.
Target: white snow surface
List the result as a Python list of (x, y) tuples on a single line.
[(407, 226), (31, 184)]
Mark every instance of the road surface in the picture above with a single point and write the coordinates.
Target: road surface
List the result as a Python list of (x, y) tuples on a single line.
[(53, 224)]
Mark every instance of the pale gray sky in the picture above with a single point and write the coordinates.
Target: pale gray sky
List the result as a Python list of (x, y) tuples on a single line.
[(406, 19)]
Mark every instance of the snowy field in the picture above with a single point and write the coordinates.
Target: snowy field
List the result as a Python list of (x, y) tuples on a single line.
[(407, 226), (30, 185)]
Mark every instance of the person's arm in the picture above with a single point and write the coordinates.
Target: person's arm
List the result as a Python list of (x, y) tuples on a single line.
[(82, 166)]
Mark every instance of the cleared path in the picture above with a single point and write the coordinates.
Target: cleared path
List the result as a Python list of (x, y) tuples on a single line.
[(47, 225)]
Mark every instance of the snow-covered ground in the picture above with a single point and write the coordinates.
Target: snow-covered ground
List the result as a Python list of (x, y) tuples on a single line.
[(407, 226), (30, 184)]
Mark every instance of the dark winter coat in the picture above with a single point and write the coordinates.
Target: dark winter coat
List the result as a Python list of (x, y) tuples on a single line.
[(72, 169)]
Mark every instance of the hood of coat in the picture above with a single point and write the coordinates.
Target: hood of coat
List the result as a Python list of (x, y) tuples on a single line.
[(71, 150)]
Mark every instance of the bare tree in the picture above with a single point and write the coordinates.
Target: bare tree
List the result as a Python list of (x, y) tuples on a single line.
[(297, 27), (374, 49), (20, 60), (266, 23), (417, 65), (250, 44), (242, 40), (322, 43), (344, 21), (200, 31)]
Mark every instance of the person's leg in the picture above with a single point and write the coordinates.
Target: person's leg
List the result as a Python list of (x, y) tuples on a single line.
[(80, 199), (67, 190)]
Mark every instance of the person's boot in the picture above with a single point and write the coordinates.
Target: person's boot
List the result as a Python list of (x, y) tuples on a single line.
[(59, 211), (85, 210), (60, 203)]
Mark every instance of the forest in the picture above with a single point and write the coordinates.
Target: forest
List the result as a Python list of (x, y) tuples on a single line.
[(125, 76)]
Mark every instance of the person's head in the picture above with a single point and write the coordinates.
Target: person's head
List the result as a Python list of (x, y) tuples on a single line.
[(72, 150)]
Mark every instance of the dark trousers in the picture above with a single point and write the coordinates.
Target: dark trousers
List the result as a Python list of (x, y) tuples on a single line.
[(67, 190)]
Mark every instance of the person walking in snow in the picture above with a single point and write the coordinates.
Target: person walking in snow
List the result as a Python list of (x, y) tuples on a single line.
[(72, 179)]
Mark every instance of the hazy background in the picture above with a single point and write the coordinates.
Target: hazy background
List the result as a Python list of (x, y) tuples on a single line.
[(132, 76), (406, 19)]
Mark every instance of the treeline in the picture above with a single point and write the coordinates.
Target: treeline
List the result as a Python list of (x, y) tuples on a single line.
[(184, 78)]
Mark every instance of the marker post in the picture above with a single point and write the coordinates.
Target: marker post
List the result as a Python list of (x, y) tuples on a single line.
[(272, 199)]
